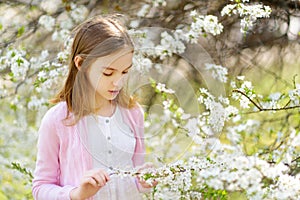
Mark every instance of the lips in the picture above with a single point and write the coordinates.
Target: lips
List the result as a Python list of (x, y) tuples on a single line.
[(114, 92)]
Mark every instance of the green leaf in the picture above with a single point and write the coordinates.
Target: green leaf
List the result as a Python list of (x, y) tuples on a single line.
[(23, 170), (21, 30), (13, 107), (19, 61), (1, 26)]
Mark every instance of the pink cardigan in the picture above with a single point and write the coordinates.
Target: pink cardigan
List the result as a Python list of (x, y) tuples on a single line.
[(62, 159)]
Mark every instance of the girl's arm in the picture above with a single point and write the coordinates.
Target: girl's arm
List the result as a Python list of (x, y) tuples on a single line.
[(46, 176)]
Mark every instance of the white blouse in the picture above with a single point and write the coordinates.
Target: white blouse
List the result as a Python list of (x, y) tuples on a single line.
[(111, 144)]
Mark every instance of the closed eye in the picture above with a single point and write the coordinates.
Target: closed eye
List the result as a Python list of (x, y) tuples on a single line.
[(112, 69), (107, 74)]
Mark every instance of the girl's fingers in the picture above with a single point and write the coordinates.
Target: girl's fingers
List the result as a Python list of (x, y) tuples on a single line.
[(100, 178), (107, 178), (154, 183), (146, 185), (97, 178), (92, 181)]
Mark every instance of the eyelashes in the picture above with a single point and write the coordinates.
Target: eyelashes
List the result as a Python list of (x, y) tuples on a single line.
[(107, 74), (110, 74)]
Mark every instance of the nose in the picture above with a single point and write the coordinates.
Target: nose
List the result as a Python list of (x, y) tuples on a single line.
[(118, 81)]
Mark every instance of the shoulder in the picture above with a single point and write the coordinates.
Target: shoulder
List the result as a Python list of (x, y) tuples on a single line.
[(134, 114), (56, 113), (136, 110)]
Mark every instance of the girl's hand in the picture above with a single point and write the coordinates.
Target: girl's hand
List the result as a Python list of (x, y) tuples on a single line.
[(143, 183), (90, 184)]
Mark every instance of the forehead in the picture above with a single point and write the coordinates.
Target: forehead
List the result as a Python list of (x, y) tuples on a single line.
[(122, 56)]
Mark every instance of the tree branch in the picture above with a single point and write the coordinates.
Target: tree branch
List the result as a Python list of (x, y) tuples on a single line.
[(264, 109)]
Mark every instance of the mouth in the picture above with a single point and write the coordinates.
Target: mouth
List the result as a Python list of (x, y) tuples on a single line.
[(114, 92)]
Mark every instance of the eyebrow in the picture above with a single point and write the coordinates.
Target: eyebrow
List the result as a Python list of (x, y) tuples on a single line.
[(109, 68)]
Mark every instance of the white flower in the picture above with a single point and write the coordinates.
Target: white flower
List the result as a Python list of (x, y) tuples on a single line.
[(66, 24), (231, 110), (47, 22), (141, 63), (192, 127), (296, 140), (44, 55), (193, 13), (143, 11), (275, 96), (247, 84), (229, 10), (78, 13), (241, 78), (217, 116), (218, 72), (15, 59), (134, 23), (42, 74), (169, 45), (157, 3), (63, 56), (248, 13), (202, 25), (162, 88), (36, 103), (61, 35), (294, 95)]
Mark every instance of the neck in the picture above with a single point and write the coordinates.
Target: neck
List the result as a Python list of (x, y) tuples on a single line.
[(106, 109)]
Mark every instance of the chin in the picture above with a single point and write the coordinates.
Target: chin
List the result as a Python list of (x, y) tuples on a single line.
[(111, 98)]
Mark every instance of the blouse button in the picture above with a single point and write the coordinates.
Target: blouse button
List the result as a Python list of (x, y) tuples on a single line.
[(107, 121), (109, 151), (111, 168), (108, 138)]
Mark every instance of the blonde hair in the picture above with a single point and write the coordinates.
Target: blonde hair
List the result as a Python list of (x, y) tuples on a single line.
[(94, 38)]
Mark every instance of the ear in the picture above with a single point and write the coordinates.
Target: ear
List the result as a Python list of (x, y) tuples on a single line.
[(78, 61)]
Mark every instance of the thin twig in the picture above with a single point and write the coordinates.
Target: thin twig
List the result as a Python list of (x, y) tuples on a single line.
[(265, 109)]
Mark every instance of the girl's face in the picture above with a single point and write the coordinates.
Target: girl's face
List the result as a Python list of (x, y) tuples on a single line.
[(108, 74)]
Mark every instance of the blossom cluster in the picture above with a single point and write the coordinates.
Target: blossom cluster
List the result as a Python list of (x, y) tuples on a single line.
[(169, 45), (294, 95), (15, 60), (47, 22), (203, 25), (225, 168), (226, 172), (174, 42), (217, 71), (219, 109), (249, 13), (245, 93)]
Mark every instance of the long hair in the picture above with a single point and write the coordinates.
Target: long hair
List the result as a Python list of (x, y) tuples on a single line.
[(94, 38)]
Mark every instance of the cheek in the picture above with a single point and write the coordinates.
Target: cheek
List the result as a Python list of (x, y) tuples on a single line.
[(103, 82), (94, 79)]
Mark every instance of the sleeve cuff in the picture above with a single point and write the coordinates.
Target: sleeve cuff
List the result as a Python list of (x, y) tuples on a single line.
[(65, 192)]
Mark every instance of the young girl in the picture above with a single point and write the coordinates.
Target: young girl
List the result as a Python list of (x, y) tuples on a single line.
[(95, 128)]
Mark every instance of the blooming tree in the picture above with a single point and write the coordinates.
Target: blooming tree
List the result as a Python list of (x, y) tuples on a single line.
[(212, 133)]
